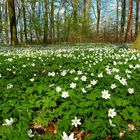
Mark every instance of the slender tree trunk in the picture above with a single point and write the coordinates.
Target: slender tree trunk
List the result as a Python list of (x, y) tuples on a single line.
[(137, 16), (31, 34), (75, 18), (84, 20), (6, 22), (52, 21), (98, 14), (24, 20), (58, 27), (88, 16), (129, 23), (123, 18), (45, 39), (117, 22), (12, 16)]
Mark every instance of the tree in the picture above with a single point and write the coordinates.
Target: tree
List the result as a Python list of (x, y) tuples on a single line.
[(123, 18), (52, 21), (129, 23), (46, 22), (98, 14), (117, 22), (137, 16), (84, 18), (24, 19), (12, 17), (75, 18)]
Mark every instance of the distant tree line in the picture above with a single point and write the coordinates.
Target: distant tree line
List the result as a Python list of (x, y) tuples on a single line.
[(56, 21)]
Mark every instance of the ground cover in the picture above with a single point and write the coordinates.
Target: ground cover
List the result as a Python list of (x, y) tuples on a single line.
[(70, 93)]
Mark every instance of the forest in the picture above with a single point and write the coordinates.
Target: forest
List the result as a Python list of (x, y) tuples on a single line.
[(69, 69), (57, 21)]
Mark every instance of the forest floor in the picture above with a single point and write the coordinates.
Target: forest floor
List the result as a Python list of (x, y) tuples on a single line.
[(65, 92)]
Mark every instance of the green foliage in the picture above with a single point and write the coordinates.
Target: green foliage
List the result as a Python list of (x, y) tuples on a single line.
[(29, 95)]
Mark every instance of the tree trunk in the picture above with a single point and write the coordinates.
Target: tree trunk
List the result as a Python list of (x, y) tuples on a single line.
[(123, 19), (24, 20), (75, 18), (117, 22), (52, 21), (12, 16), (46, 22), (84, 20), (137, 16), (129, 23), (98, 14)]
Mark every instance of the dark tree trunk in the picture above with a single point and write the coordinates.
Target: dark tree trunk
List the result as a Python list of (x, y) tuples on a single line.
[(24, 20), (137, 16), (52, 21), (123, 18), (98, 14), (129, 23), (46, 22), (12, 16)]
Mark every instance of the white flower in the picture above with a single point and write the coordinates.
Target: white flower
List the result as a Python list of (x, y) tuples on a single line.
[(66, 137), (0, 75), (111, 113), (10, 59), (83, 90), (84, 78), (64, 72), (79, 72), (76, 78), (93, 82), (92, 74), (65, 94), (121, 134), (33, 65), (117, 77), (100, 75), (88, 86), (110, 122), (72, 71), (128, 76), (123, 81), (105, 94), (58, 89), (9, 86), (131, 90), (72, 85), (8, 122), (76, 122), (32, 79), (131, 127), (51, 74), (29, 133), (113, 86)]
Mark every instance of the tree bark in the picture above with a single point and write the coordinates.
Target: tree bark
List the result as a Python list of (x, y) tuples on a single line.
[(98, 14), (129, 23), (52, 21), (84, 19), (45, 39), (137, 16), (24, 20), (123, 19), (12, 16), (75, 18), (117, 22)]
